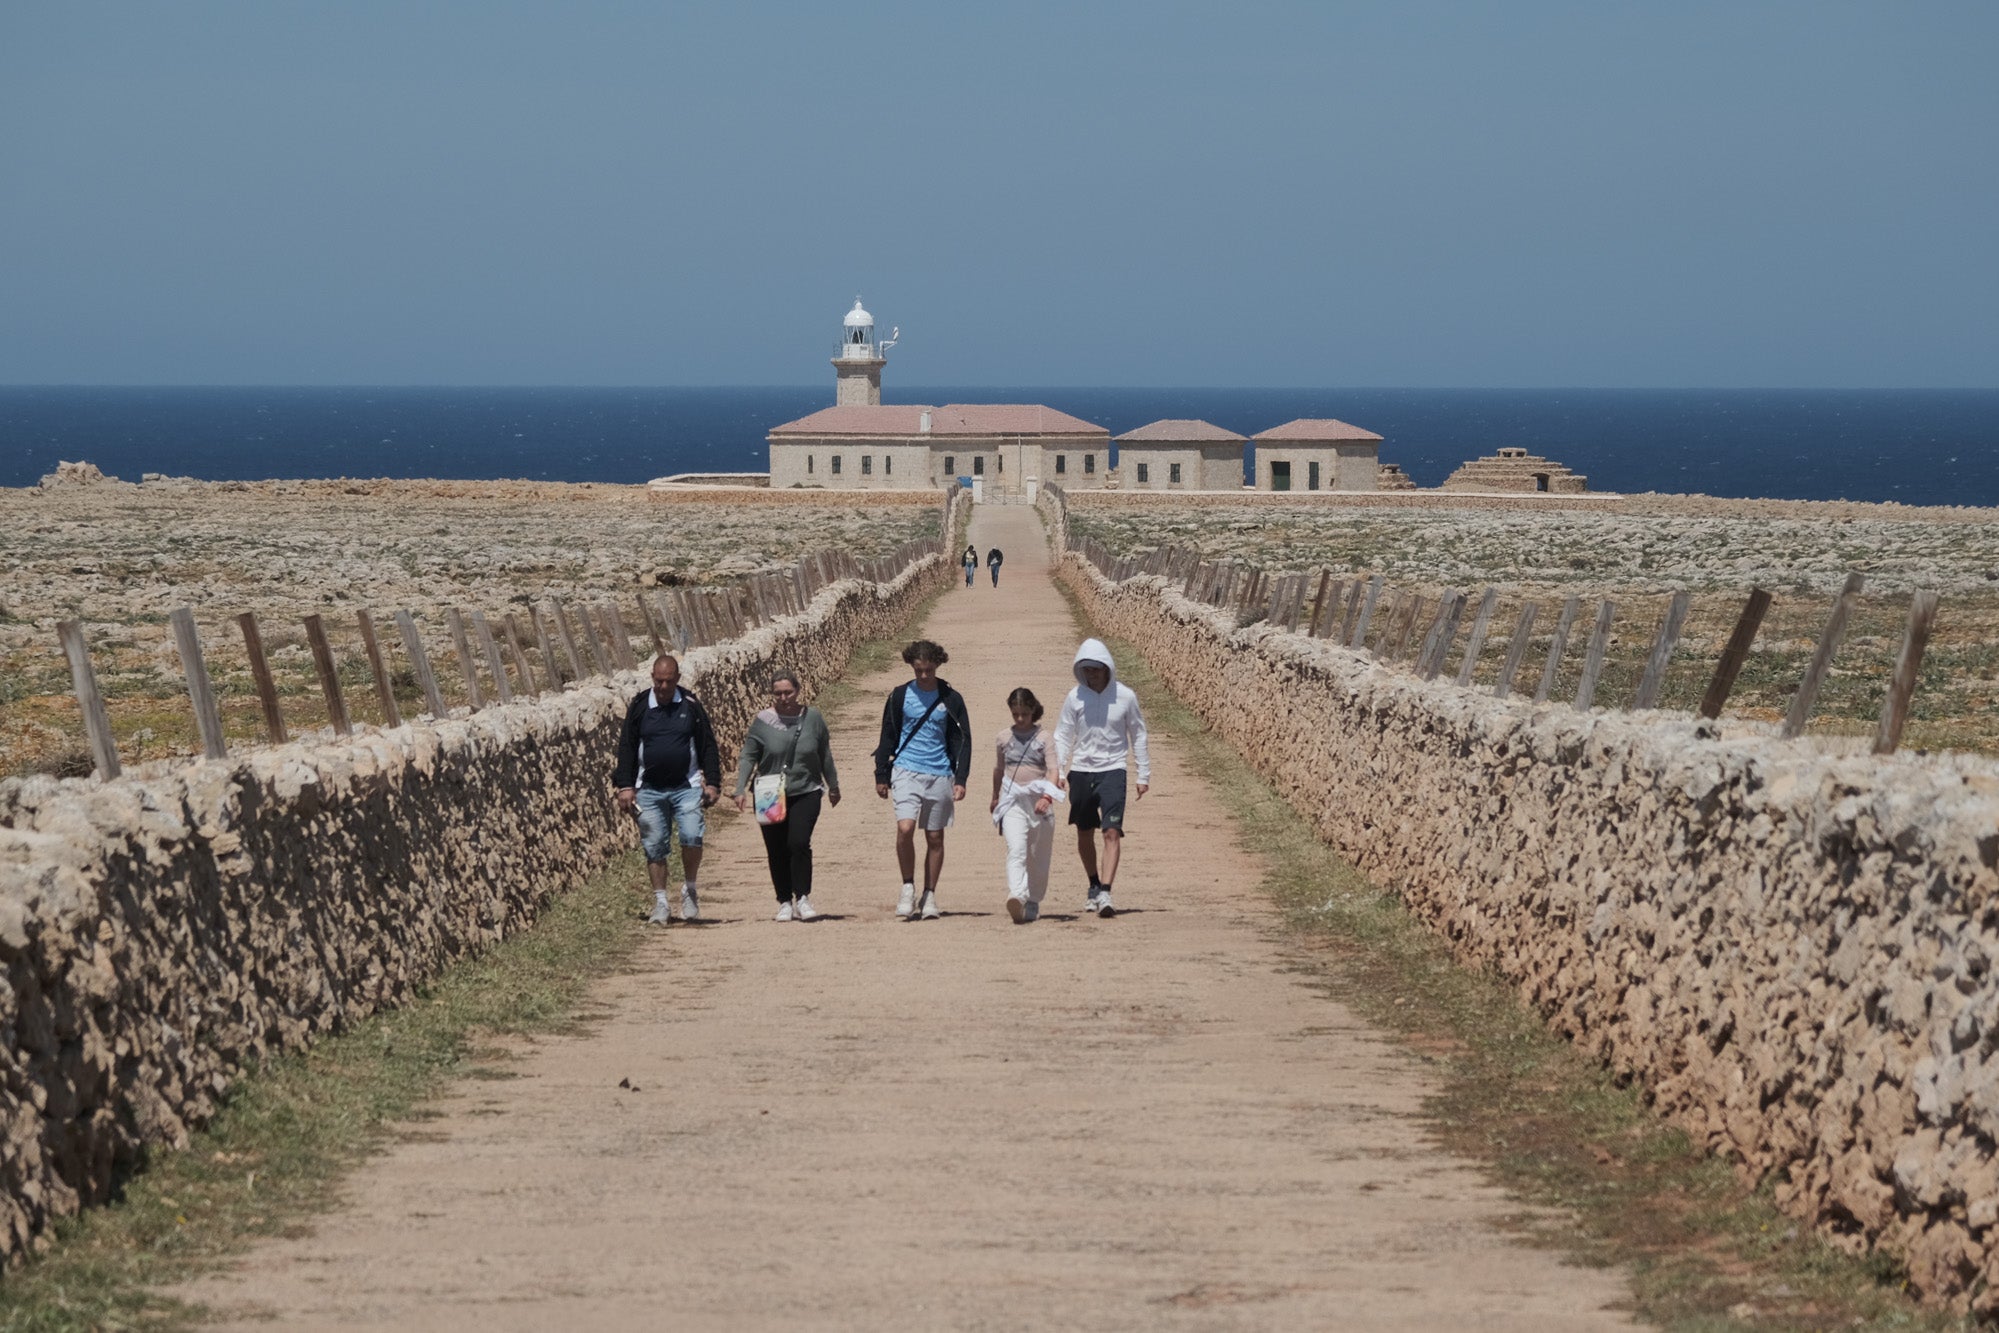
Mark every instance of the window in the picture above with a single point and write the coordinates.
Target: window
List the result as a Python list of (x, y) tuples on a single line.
[(808, 465), (1173, 473), (950, 466), (1144, 473), (888, 464), (1061, 464), (1089, 463), (836, 465), (867, 465), (1000, 461), (1312, 476), (978, 467)]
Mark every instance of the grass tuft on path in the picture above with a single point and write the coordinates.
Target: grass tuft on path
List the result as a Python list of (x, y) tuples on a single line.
[(290, 1130), (1705, 1251)]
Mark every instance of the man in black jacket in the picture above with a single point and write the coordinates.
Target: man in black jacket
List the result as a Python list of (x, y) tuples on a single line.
[(924, 758), (668, 770), (993, 562)]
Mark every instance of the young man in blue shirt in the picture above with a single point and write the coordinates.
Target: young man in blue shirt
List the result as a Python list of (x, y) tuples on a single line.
[(923, 761)]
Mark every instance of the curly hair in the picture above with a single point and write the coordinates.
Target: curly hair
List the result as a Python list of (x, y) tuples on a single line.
[(923, 650)]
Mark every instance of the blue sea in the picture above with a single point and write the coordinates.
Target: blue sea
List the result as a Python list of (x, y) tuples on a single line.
[(1915, 446)]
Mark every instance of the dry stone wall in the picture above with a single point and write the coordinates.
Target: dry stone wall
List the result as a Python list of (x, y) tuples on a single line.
[(1792, 952), (163, 931)]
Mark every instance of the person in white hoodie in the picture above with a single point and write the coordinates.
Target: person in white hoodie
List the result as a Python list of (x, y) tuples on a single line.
[(1100, 729)]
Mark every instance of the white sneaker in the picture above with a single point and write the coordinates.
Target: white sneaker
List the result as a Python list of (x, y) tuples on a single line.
[(907, 902), (930, 912), (1090, 903), (1017, 909), (690, 908), (805, 910), (1104, 907), (660, 916), (784, 910)]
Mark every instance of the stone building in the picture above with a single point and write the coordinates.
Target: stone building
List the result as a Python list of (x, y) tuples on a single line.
[(1317, 455), (1180, 456), (1514, 470), (1391, 477), (862, 443)]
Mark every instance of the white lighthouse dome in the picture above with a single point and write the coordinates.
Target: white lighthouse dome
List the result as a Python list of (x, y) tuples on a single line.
[(858, 318)]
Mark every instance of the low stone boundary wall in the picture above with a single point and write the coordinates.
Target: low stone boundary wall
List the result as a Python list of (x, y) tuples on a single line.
[(1793, 953), (160, 932)]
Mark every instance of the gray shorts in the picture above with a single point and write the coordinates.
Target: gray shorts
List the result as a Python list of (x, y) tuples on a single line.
[(923, 797)]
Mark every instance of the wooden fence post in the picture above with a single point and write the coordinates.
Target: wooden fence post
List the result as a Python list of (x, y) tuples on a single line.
[(1453, 611), (260, 674), (1523, 632), (1835, 629), (1654, 679), (456, 623), (96, 722), (1358, 636), (621, 641), (501, 684), (207, 717), (1902, 687), (567, 632), (1480, 625), (652, 626), (1557, 646), (528, 683), (385, 692), (1407, 628), (420, 663), (1735, 654), (1599, 641), (329, 676)]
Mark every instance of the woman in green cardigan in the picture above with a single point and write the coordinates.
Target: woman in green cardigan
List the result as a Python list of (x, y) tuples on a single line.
[(790, 738)]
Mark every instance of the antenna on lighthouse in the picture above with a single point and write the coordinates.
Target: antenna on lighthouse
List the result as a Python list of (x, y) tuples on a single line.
[(894, 334)]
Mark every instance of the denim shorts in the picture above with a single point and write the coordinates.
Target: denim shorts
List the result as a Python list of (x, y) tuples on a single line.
[(656, 830)]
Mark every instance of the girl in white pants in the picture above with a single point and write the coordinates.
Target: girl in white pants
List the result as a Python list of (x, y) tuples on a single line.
[(1022, 799)]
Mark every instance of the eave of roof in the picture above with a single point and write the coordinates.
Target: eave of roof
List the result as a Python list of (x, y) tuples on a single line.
[(1315, 430)]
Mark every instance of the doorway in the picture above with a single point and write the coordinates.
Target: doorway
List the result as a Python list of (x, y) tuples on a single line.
[(1280, 476)]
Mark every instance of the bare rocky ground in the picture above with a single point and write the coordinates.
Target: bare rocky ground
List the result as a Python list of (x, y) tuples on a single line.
[(121, 557), (1142, 1123), (1638, 551)]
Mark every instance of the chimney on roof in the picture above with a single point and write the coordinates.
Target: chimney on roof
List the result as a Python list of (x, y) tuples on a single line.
[(923, 422)]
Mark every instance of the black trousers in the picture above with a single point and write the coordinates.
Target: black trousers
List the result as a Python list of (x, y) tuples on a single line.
[(788, 846)]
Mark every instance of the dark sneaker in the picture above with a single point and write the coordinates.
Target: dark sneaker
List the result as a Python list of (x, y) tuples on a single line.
[(1017, 909)]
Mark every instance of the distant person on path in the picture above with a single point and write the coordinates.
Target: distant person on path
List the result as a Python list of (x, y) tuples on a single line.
[(993, 561), (1100, 727), (1023, 799), (971, 563), (923, 761), (668, 766), (790, 738)]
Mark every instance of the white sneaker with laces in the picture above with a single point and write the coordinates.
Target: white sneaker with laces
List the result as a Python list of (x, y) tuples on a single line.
[(660, 916), (930, 912), (907, 902), (784, 910), (1104, 907), (690, 907), (805, 910)]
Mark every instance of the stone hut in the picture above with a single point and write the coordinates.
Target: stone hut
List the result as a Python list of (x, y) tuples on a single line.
[(1391, 477), (1317, 455), (1515, 471), (1180, 456)]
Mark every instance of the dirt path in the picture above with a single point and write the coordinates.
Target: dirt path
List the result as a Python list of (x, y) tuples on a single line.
[(860, 1123)]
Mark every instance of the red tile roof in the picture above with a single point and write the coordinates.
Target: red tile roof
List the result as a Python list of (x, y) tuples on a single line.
[(952, 419), (1179, 432), (1311, 430)]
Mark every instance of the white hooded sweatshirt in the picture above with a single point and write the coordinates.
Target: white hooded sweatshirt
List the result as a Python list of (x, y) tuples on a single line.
[(1096, 731)]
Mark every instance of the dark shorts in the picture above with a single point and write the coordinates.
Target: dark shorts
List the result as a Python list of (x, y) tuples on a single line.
[(1096, 800)]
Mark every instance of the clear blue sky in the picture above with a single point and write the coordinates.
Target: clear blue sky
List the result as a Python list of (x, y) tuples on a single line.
[(1381, 194)]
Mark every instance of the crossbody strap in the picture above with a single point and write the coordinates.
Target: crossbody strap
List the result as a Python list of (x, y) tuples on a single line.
[(910, 735)]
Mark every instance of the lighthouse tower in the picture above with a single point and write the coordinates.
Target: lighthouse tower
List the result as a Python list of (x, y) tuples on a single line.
[(858, 367)]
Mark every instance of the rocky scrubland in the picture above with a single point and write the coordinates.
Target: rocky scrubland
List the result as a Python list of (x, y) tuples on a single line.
[(1638, 551), (121, 556), (1791, 951)]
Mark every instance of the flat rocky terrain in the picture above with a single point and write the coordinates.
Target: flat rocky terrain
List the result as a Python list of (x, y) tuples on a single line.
[(1638, 551), (121, 557)]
